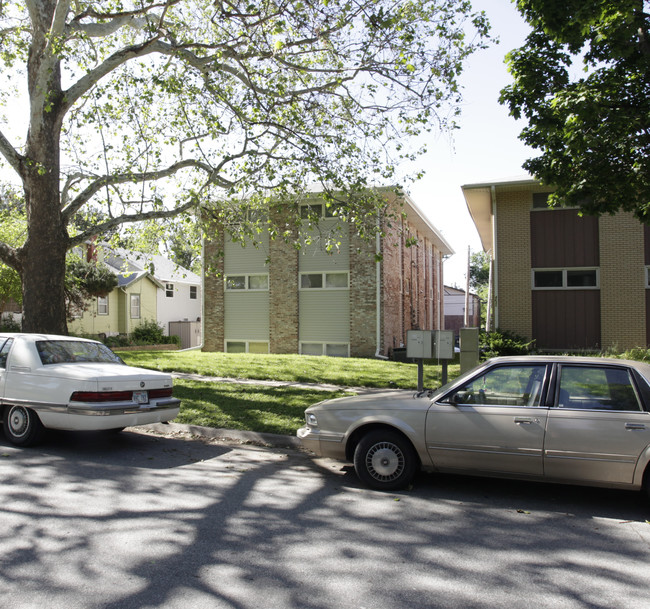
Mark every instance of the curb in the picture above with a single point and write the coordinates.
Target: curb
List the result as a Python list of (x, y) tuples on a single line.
[(210, 433)]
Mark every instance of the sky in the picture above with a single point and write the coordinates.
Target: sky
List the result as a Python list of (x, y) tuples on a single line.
[(485, 148)]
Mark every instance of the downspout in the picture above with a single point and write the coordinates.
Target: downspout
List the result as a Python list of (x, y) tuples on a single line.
[(493, 296), (378, 296)]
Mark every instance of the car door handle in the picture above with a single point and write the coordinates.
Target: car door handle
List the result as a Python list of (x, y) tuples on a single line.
[(633, 426), (525, 420)]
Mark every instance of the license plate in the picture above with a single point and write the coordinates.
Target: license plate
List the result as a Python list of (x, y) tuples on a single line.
[(141, 397)]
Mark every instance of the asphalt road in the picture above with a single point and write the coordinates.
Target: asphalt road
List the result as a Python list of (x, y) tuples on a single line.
[(138, 520)]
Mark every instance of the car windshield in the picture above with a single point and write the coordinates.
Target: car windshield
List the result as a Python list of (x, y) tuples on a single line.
[(68, 351)]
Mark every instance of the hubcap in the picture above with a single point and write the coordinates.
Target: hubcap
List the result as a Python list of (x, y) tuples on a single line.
[(18, 421), (385, 461)]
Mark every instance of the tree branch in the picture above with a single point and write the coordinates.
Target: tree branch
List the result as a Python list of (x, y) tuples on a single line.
[(104, 227), (91, 190), (9, 153), (10, 256)]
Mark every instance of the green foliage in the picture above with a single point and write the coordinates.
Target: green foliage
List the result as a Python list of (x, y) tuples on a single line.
[(13, 228), (592, 125), (149, 332), (494, 344), (84, 281), (479, 270), (640, 354), (9, 324)]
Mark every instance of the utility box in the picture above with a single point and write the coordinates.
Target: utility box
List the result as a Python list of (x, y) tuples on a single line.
[(419, 344), (430, 344), (469, 352), (443, 344)]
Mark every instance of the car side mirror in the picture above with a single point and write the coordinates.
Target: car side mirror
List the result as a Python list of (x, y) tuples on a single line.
[(461, 397)]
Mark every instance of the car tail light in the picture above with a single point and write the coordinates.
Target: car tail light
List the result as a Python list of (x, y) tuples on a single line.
[(160, 393), (102, 396)]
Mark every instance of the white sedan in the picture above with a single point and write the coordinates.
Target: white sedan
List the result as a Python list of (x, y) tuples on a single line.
[(61, 382)]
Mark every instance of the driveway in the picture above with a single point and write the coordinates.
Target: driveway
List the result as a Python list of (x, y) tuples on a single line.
[(141, 520)]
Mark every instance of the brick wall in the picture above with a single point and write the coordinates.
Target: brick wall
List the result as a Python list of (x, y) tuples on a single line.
[(513, 259), (622, 286), (283, 292), (213, 288), (410, 276), (363, 297)]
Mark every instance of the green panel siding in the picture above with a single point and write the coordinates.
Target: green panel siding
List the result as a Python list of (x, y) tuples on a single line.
[(313, 257), (247, 316), (325, 315), (249, 259)]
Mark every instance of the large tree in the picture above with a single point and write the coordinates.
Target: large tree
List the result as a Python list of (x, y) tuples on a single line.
[(147, 108), (582, 81)]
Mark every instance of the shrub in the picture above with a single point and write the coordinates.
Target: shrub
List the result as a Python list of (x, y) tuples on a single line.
[(121, 340), (500, 342), (9, 324), (148, 333)]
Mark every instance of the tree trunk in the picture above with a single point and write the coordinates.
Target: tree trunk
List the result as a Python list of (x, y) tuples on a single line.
[(43, 256)]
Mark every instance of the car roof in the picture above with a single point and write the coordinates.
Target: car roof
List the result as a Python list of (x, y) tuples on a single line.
[(34, 336), (642, 367)]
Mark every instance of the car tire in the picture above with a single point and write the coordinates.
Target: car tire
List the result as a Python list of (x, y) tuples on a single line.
[(385, 460), (21, 426)]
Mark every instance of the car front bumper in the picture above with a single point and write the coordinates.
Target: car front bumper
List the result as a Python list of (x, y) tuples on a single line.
[(323, 444)]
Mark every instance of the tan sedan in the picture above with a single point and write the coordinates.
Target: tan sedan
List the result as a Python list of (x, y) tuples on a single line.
[(572, 420)]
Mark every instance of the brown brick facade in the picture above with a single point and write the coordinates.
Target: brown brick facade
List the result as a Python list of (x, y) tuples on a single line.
[(513, 262), (363, 298), (283, 294), (213, 289), (622, 286)]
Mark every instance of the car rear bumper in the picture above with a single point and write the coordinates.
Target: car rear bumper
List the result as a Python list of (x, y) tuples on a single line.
[(97, 417)]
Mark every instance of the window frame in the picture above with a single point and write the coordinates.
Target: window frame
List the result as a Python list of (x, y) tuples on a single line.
[(247, 344), (246, 277), (102, 305), (324, 345), (565, 272), (135, 304), (169, 290), (539, 395), (633, 381), (194, 292), (324, 282)]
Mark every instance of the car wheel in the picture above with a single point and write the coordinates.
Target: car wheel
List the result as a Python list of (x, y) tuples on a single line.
[(22, 427), (385, 460)]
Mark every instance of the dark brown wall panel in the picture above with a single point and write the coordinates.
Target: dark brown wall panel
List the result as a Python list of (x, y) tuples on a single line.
[(566, 319), (560, 238)]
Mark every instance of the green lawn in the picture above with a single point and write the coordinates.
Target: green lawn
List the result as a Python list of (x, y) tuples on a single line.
[(270, 409), (348, 372)]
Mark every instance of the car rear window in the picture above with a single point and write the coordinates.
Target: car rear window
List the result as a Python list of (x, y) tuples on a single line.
[(69, 351)]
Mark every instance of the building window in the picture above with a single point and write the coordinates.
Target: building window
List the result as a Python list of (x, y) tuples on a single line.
[(566, 279), (169, 290), (135, 306), (320, 210), (540, 200), (330, 281), (247, 282), (329, 349), (247, 346), (194, 292), (102, 305)]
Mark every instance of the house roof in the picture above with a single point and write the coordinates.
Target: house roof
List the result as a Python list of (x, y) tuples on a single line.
[(133, 265), (479, 200)]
